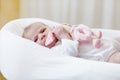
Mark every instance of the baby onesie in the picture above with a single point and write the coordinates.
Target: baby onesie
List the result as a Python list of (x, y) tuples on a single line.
[(87, 51)]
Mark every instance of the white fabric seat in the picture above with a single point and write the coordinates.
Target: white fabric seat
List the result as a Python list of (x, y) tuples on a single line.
[(22, 59)]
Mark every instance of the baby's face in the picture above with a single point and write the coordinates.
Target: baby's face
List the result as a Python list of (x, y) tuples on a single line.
[(38, 32)]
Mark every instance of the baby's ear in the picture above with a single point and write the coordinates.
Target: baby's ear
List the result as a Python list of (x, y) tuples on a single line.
[(50, 38)]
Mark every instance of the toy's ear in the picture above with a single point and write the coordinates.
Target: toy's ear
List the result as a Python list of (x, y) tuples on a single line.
[(50, 38), (96, 43), (96, 39), (98, 34)]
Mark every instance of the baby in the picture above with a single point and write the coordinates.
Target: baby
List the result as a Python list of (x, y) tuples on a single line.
[(40, 33)]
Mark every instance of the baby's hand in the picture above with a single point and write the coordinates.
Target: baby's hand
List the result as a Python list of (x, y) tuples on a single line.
[(61, 33), (57, 33)]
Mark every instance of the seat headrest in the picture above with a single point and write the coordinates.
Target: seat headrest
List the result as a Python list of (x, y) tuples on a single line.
[(17, 26)]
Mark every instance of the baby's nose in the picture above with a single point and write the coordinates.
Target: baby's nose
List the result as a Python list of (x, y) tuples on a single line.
[(41, 36)]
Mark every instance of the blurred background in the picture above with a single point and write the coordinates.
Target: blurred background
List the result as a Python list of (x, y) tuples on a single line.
[(94, 13), (9, 10)]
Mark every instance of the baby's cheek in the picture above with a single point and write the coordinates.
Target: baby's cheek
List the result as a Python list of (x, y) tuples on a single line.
[(40, 42)]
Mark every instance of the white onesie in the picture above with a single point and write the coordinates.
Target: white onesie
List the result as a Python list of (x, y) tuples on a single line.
[(87, 51)]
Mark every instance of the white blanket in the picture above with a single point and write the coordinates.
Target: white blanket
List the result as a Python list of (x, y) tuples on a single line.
[(22, 59)]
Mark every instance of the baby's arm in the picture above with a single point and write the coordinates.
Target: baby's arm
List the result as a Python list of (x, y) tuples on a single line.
[(67, 47), (57, 33), (61, 33)]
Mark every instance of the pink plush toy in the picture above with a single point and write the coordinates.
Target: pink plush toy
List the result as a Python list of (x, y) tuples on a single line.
[(97, 39), (84, 34), (50, 38)]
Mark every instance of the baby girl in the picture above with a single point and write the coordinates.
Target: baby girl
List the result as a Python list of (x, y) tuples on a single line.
[(79, 42)]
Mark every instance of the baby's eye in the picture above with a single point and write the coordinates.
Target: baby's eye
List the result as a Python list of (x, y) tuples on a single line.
[(43, 30), (36, 38)]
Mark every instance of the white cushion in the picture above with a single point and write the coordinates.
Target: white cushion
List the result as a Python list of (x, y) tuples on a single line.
[(22, 59)]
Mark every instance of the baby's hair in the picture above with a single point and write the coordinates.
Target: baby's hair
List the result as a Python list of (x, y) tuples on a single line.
[(25, 31)]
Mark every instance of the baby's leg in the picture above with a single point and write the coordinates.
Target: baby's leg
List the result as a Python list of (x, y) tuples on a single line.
[(118, 39), (115, 58)]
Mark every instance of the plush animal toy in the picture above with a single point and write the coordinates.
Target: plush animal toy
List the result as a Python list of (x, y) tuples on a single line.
[(81, 33), (97, 39), (84, 34)]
